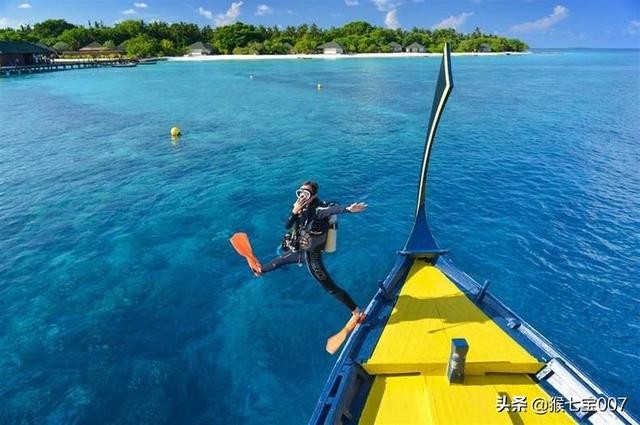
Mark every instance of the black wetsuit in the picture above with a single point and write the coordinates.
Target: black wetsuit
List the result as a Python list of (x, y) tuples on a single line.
[(312, 218)]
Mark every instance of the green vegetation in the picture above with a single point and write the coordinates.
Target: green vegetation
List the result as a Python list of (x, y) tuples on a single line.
[(159, 38)]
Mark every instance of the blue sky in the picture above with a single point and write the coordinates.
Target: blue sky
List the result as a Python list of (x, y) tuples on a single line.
[(541, 23)]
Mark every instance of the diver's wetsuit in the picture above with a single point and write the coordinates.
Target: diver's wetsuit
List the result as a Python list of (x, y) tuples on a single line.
[(310, 219)]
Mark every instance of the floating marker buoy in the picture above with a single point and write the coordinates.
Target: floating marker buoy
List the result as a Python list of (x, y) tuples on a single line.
[(251, 77), (175, 132), (319, 86)]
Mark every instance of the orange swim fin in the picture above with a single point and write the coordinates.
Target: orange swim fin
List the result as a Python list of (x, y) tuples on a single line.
[(335, 342), (240, 242)]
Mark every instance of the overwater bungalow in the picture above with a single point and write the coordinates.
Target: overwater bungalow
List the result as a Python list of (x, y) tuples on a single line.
[(331, 48), (199, 49), (20, 53), (415, 47), (396, 47)]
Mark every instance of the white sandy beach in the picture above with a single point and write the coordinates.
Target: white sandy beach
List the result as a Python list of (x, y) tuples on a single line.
[(332, 57), (307, 56)]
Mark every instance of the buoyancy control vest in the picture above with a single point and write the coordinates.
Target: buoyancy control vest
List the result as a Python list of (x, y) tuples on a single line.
[(312, 233)]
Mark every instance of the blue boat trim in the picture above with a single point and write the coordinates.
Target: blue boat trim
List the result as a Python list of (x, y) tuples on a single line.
[(333, 407), (347, 387)]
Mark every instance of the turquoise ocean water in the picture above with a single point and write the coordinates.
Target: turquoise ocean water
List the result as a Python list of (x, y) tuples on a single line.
[(121, 301)]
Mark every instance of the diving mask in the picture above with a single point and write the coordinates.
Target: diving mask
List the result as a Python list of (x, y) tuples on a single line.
[(303, 194)]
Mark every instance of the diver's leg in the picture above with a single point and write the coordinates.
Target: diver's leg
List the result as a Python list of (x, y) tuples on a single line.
[(284, 259), (316, 268)]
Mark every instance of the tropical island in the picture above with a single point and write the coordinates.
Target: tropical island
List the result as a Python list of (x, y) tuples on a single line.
[(136, 38)]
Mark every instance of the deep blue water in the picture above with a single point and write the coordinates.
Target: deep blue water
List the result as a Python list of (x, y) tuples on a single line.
[(122, 302)]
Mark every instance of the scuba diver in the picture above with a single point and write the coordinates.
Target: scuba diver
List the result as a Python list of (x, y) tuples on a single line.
[(306, 237)]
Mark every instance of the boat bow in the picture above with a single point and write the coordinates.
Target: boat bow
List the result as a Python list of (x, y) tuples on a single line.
[(421, 242)]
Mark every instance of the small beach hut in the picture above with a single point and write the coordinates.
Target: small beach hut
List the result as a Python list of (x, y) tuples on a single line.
[(287, 46), (199, 49), (331, 48), (92, 49), (415, 47), (94, 45), (21, 53), (396, 47), (484, 48)]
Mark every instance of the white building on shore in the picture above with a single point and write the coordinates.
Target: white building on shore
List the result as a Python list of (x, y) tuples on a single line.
[(395, 47), (415, 47), (199, 49), (331, 48)]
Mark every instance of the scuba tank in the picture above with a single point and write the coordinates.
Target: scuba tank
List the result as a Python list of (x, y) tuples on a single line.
[(332, 235)]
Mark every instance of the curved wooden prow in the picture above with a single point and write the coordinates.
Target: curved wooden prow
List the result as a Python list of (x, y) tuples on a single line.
[(421, 242)]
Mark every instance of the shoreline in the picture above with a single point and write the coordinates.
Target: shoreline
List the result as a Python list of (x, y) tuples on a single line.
[(403, 55)]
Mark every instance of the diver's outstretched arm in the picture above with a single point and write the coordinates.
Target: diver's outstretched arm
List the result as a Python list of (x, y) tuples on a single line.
[(356, 207), (329, 210)]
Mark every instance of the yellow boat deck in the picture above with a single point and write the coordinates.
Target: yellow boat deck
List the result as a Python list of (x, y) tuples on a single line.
[(410, 363)]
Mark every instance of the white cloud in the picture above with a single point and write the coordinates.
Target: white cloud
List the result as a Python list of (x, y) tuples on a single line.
[(141, 5), (129, 12), (24, 6), (262, 10), (391, 20), (453, 21), (390, 7), (4, 22), (230, 16), (559, 13), (206, 13), (634, 27), (385, 5), (351, 2)]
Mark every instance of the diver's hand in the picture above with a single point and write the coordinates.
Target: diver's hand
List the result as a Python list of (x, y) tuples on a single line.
[(298, 206), (356, 207), (301, 204)]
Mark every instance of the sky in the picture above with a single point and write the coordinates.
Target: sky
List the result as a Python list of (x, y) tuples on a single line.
[(540, 23)]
